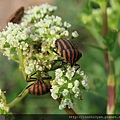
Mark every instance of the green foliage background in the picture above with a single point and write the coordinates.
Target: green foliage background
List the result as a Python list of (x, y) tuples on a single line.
[(93, 63)]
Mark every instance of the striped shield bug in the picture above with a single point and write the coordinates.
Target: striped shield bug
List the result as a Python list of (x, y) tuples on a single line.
[(16, 17), (68, 51), (39, 87)]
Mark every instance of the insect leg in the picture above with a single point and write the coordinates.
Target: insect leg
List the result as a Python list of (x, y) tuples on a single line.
[(30, 79), (78, 66), (54, 51), (25, 89), (46, 78)]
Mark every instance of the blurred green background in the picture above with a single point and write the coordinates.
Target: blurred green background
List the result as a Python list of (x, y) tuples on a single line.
[(94, 101)]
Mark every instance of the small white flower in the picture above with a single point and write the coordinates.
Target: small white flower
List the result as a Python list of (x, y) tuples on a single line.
[(54, 96), (70, 105), (68, 102), (85, 84), (58, 73), (76, 95), (75, 34), (29, 69), (54, 89), (69, 74), (23, 36), (23, 45), (61, 106), (76, 83), (64, 33), (38, 67), (82, 73), (78, 71), (7, 53), (58, 20), (58, 29), (60, 81), (52, 32), (70, 85), (75, 89), (65, 92), (66, 24)]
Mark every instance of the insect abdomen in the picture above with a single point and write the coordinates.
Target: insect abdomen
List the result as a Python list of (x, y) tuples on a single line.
[(39, 88)]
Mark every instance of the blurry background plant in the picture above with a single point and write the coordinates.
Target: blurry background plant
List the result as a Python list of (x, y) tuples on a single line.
[(89, 27), (99, 19)]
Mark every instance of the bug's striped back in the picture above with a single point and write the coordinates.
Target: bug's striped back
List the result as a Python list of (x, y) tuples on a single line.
[(62, 44), (39, 88), (68, 51), (71, 56), (16, 17)]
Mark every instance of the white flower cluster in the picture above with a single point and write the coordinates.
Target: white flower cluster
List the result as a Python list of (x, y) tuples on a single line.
[(31, 41), (3, 108), (68, 84), (35, 13)]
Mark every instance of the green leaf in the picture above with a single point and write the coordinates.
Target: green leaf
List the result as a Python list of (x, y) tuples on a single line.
[(111, 39), (14, 54), (6, 45), (13, 50), (101, 3), (96, 47)]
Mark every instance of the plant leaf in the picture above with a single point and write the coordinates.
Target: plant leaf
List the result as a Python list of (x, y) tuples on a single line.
[(111, 39)]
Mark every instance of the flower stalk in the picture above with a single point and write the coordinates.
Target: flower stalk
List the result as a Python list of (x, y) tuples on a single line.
[(109, 61), (18, 99), (20, 56)]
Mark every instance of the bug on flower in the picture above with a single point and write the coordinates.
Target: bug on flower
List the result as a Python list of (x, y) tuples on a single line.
[(16, 17), (68, 51), (39, 87)]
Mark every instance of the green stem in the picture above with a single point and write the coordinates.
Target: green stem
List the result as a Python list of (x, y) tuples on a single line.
[(18, 99), (20, 55)]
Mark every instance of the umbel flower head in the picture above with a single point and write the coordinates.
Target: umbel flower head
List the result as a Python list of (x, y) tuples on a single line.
[(31, 44), (68, 84)]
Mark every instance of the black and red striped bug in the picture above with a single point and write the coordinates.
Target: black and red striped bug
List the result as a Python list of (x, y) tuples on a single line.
[(39, 87), (68, 51), (16, 16)]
